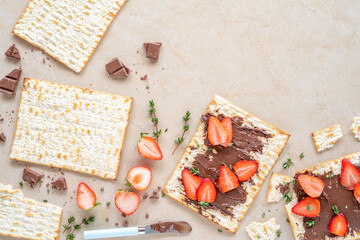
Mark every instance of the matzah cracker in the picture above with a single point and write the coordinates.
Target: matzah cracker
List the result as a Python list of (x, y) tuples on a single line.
[(327, 137), (65, 29), (263, 231), (276, 181), (355, 127), (22, 217), (71, 127), (333, 166), (272, 149)]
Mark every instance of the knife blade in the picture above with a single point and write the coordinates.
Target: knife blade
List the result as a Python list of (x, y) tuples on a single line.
[(179, 227)]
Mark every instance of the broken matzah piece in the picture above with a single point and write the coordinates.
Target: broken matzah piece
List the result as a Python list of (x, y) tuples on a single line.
[(355, 127), (279, 186), (22, 217), (266, 231), (71, 127), (326, 138), (253, 139), (65, 29)]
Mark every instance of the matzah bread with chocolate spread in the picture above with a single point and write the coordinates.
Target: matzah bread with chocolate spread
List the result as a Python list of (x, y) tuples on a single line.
[(333, 167), (22, 217), (272, 141), (67, 30), (277, 183), (326, 138), (71, 127), (266, 230)]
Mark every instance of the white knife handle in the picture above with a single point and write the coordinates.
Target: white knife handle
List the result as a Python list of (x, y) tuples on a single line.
[(108, 233)]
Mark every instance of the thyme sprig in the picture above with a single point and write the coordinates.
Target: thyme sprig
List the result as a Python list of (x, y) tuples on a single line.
[(181, 139), (71, 235), (154, 120)]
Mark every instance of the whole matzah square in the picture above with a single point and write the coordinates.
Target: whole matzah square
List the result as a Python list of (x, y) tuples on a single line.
[(68, 30), (326, 138), (272, 149), (71, 127), (22, 217)]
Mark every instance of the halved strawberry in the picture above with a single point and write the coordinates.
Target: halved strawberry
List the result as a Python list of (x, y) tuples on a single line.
[(308, 207), (127, 202), (217, 134), (139, 177), (350, 175), (149, 148), (226, 122), (86, 197), (357, 192), (245, 169), (206, 192), (338, 225), (191, 183), (227, 179), (312, 186)]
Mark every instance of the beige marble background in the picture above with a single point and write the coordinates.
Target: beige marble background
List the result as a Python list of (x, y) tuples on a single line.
[(295, 64)]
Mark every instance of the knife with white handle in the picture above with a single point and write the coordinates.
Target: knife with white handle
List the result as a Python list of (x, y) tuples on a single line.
[(161, 227)]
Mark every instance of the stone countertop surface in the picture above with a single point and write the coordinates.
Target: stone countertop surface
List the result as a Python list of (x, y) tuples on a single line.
[(294, 64)]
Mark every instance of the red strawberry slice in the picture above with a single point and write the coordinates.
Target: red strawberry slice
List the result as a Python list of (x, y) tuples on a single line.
[(226, 122), (127, 202), (149, 148), (245, 169), (350, 175), (206, 192), (308, 207), (217, 134), (357, 192), (313, 186), (86, 197), (227, 179), (139, 177), (338, 225), (191, 183)]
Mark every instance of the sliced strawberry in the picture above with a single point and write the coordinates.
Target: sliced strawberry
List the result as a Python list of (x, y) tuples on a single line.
[(350, 175), (191, 183), (227, 179), (308, 207), (226, 122), (139, 177), (149, 148), (245, 169), (357, 192), (312, 186), (206, 192), (217, 134), (86, 197), (127, 202), (338, 225)]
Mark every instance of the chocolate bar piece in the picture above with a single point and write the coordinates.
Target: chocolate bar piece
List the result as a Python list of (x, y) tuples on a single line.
[(116, 67), (9, 83), (2, 137), (152, 50), (13, 52), (59, 184), (31, 176)]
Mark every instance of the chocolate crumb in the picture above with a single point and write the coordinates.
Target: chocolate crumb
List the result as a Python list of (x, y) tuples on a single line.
[(147, 216), (107, 219), (145, 196), (2, 137), (159, 188), (117, 224), (125, 223), (144, 77), (123, 215)]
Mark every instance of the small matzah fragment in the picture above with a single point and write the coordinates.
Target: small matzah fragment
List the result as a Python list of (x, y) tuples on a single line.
[(65, 29), (355, 127), (71, 127), (22, 217), (265, 231), (326, 138), (279, 185)]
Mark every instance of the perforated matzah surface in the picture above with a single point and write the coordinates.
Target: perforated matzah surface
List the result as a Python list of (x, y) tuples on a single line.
[(276, 180), (326, 138), (263, 231), (70, 127), (355, 127), (67, 30), (26, 218)]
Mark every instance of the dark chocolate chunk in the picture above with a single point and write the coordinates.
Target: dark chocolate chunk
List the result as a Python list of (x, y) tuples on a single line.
[(31, 176), (152, 50), (144, 77), (9, 83), (13, 52), (2, 137), (59, 184), (116, 67)]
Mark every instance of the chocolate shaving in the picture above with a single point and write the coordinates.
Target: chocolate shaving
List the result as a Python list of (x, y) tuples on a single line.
[(116, 67), (152, 50), (13, 52)]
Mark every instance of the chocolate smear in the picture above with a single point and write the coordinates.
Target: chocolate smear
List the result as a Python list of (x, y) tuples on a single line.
[(10, 82), (2, 137), (59, 184), (116, 67), (170, 227), (13, 52), (31, 176), (152, 50)]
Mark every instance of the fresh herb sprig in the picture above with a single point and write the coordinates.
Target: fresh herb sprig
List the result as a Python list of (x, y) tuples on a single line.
[(335, 209), (287, 197), (310, 223), (154, 120), (287, 163), (181, 139), (71, 234)]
